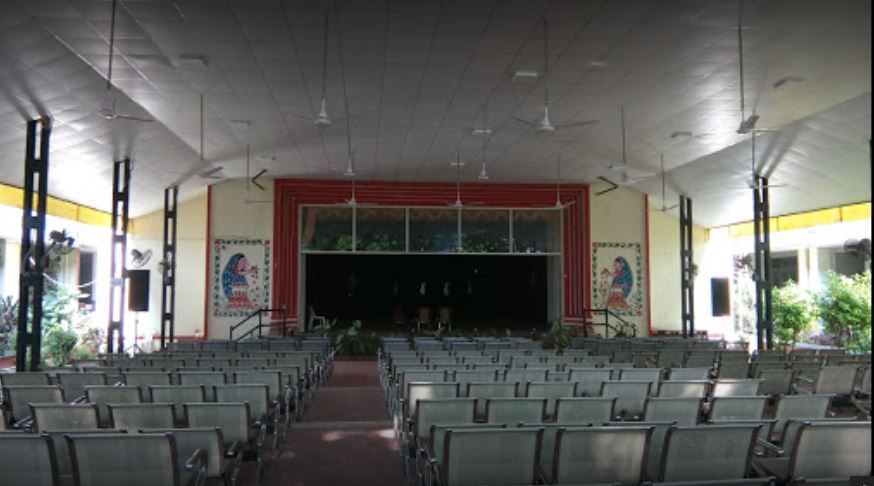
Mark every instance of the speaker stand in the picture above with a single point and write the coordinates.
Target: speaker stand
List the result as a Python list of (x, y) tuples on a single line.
[(135, 348)]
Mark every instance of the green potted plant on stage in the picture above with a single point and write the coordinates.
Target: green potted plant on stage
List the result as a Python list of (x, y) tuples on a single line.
[(353, 342), (558, 336), (793, 313), (844, 306), (8, 325)]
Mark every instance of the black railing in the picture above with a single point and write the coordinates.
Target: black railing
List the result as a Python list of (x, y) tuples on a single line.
[(623, 327), (259, 327)]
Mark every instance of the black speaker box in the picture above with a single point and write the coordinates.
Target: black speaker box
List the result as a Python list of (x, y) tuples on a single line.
[(138, 290), (720, 299)]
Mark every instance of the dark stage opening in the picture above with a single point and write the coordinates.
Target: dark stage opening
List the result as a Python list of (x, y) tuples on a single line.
[(486, 292)]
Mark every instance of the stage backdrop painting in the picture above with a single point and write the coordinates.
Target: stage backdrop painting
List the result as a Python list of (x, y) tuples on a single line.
[(241, 276), (617, 274)]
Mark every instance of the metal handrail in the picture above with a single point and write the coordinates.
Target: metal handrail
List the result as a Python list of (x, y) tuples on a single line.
[(607, 326), (261, 325)]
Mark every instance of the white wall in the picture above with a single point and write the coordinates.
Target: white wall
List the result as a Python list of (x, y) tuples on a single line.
[(146, 233), (235, 214)]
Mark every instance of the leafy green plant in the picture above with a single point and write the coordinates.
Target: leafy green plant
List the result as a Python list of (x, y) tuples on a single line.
[(8, 325), (845, 309), (352, 342), (557, 337), (793, 312)]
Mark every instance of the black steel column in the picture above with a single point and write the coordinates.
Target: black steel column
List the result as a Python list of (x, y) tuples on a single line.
[(762, 259), (168, 268), (118, 258), (31, 282), (687, 275)]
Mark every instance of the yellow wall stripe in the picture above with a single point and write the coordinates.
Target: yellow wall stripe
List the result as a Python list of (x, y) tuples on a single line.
[(852, 212), (12, 196)]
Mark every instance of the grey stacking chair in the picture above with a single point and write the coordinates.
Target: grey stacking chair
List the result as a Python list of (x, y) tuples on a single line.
[(589, 380), (143, 379), (431, 458), (824, 453), (670, 358), (524, 375), (737, 408), (600, 455), (766, 430), (103, 395), (489, 456), (515, 410), (206, 378), (714, 452), (689, 374), (17, 397), (733, 370), (240, 433), (74, 383), (584, 410), (463, 377), (831, 380), (178, 395), (222, 466), (407, 377), (428, 414), (26, 378), (277, 392), (683, 389), (683, 411), (483, 391), (132, 460), (551, 391), (736, 387), (62, 452), (61, 416), (630, 396), (426, 391), (652, 375), (776, 382), (547, 442), (801, 407), (656, 442), (498, 367), (27, 460), (135, 416)]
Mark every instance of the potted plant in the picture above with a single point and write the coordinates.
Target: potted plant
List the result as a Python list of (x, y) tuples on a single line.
[(844, 306), (793, 313)]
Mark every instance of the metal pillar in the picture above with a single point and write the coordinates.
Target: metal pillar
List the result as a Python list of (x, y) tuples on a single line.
[(168, 268), (687, 275), (31, 282), (762, 258), (118, 258)]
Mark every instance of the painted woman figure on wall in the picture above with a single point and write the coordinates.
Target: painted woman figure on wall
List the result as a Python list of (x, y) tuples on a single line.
[(616, 284), (235, 285)]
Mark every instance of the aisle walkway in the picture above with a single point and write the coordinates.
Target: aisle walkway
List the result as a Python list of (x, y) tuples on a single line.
[(345, 437)]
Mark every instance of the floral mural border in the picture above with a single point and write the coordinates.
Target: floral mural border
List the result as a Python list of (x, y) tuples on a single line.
[(220, 245)]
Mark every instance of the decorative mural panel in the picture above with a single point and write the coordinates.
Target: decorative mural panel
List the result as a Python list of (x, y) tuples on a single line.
[(241, 276), (617, 277)]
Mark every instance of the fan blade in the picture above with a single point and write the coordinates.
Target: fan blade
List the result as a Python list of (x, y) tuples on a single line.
[(133, 118), (576, 124), (522, 120), (665, 209)]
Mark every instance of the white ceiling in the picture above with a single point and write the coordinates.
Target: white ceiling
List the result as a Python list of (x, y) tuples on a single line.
[(418, 74)]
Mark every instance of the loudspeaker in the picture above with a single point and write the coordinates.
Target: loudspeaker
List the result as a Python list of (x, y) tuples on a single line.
[(138, 290), (720, 300)]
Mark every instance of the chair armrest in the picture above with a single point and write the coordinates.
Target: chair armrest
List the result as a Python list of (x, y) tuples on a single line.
[(199, 457), (81, 399), (24, 424), (770, 447), (233, 450)]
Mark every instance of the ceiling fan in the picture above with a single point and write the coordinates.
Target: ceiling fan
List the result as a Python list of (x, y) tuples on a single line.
[(558, 203), (623, 173), (754, 174), (665, 208), (322, 120), (544, 124), (107, 105), (204, 170)]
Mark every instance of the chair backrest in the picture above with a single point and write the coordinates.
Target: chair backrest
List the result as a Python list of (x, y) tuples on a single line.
[(132, 460), (188, 441), (801, 407), (102, 395), (547, 441), (864, 387), (524, 375), (683, 389), (551, 391), (736, 407), (515, 410), (733, 370), (450, 411), (736, 387), (652, 375), (49, 416), (408, 377), (589, 380), (26, 378), (707, 453), (232, 418), (424, 390), (17, 398), (831, 449), (483, 391), (600, 455), (206, 378), (684, 411), (74, 383), (27, 459), (135, 416), (271, 378), (580, 410), (437, 437), (143, 379), (257, 396), (689, 374), (489, 456), (836, 380), (463, 377), (630, 395), (775, 382), (178, 395), (62, 452)]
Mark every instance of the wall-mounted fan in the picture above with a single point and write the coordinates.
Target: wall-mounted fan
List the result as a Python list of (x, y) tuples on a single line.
[(139, 259), (859, 247), (107, 105)]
